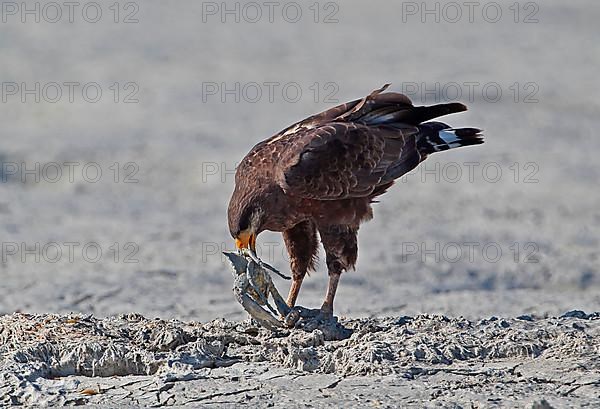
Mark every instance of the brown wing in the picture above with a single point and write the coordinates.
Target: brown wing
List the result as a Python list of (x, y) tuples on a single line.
[(355, 149), (376, 103), (376, 108), (343, 160)]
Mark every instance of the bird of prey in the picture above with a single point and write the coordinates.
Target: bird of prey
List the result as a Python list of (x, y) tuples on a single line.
[(321, 175)]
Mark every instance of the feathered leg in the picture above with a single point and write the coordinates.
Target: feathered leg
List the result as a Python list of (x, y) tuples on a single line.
[(301, 243), (341, 248)]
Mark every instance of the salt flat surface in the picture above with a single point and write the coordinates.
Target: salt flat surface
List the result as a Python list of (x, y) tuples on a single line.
[(131, 360)]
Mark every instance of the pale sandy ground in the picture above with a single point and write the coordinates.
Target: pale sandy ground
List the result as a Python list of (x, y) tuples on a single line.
[(173, 218), (426, 360)]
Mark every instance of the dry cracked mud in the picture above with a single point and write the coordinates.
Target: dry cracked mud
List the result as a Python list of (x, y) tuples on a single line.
[(421, 361)]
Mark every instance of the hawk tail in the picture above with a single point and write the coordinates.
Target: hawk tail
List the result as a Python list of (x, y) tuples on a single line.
[(437, 136)]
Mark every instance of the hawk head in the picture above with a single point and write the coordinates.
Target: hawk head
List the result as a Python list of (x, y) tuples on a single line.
[(245, 216)]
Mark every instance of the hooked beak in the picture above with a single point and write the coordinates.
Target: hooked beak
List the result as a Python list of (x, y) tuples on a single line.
[(246, 240)]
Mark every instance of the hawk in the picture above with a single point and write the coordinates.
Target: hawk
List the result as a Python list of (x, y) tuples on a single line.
[(320, 176)]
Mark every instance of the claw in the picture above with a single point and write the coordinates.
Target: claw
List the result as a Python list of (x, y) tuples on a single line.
[(253, 287)]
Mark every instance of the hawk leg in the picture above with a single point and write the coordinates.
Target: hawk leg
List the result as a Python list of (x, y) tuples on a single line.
[(294, 291), (327, 307), (301, 243), (340, 243), (341, 249)]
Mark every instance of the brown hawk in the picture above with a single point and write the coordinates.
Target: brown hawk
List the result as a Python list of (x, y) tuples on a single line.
[(322, 174)]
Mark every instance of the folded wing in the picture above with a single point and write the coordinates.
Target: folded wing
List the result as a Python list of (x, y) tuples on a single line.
[(357, 149)]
